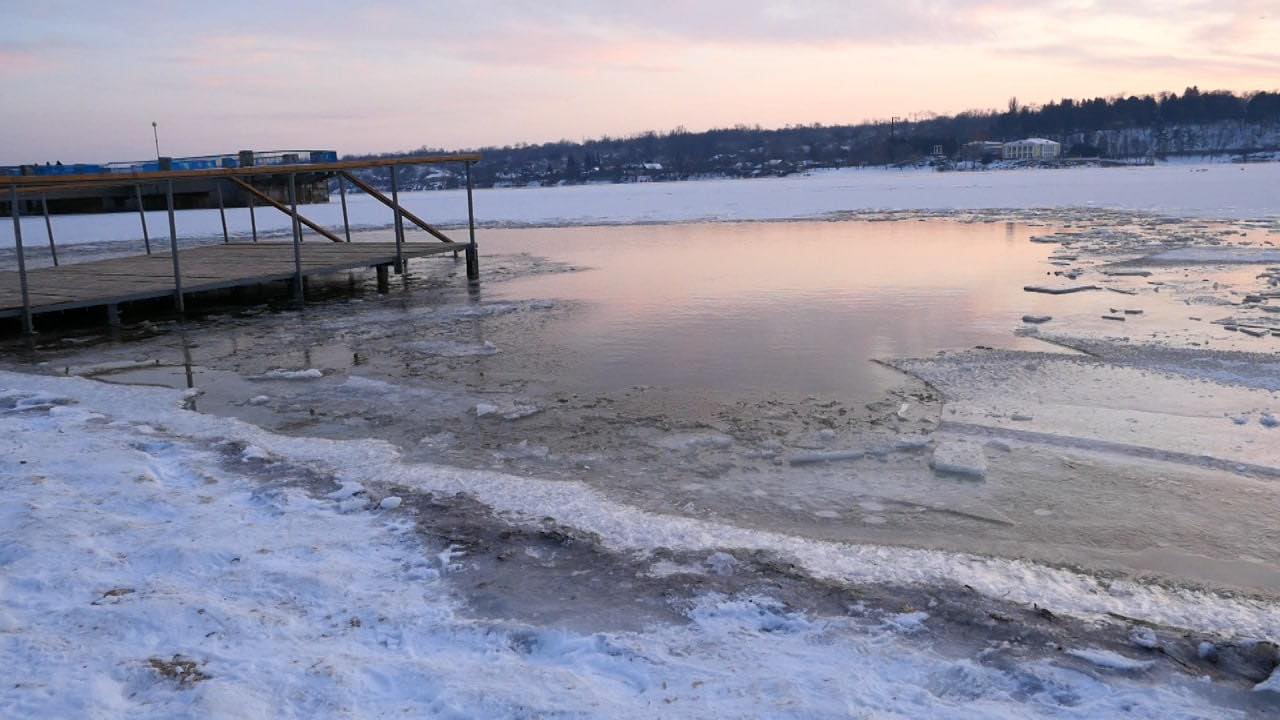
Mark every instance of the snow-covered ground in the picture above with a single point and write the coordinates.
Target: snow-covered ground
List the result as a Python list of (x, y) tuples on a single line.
[(1208, 190), (200, 567)]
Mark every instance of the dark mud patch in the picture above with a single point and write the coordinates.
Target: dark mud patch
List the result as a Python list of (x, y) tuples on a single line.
[(178, 669)]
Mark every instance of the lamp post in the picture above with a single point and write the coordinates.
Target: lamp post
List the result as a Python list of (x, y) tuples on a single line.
[(155, 134)]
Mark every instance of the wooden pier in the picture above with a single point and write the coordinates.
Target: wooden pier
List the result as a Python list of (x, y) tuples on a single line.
[(181, 272), (111, 283)]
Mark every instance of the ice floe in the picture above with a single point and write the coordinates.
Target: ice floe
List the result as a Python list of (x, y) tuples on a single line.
[(959, 457), (1110, 660), (451, 348), (286, 374)]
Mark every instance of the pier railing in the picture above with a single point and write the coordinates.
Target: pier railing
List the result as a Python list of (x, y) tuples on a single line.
[(27, 187), (243, 158)]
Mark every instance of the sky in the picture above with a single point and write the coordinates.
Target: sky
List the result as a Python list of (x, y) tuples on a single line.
[(83, 81)]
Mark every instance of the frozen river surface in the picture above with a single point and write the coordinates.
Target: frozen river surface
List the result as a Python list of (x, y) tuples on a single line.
[(1208, 191)]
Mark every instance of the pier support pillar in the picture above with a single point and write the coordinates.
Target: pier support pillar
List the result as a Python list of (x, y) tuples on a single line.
[(178, 303), (222, 213), (48, 228), (299, 287), (473, 253), (113, 315), (342, 192), (15, 210), (253, 219), (399, 219), (294, 284), (142, 215), (473, 264), (384, 280)]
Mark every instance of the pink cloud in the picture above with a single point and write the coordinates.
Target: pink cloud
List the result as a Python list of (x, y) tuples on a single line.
[(14, 61)]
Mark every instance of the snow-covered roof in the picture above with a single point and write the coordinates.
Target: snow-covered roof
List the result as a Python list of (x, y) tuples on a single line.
[(1034, 141)]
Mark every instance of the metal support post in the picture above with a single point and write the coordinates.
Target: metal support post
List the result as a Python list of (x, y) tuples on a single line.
[(342, 191), (473, 254), (253, 219), (173, 250), (142, 214), (15, 210), (48, 228), (399, 222), (222, 212), (298, 292)]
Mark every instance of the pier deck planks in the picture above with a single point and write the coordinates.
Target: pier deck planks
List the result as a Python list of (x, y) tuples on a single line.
[(117, 280)]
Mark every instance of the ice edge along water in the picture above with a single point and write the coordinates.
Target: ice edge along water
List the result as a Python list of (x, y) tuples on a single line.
[(155, 582), (629, 530)]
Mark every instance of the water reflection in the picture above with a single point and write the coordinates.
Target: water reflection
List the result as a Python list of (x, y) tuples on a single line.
[(782, 306)]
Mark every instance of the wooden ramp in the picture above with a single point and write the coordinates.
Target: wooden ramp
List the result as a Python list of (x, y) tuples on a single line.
[(107, 283)]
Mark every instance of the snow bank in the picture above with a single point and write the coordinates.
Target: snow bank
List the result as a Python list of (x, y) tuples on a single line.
[(154, 583), (626, 529), (1271, 684)]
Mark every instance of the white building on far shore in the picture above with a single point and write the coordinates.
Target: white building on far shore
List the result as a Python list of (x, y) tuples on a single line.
[(1031, 149)]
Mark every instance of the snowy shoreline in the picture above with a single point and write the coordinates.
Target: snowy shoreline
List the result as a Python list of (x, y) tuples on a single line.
[(195, 588), (354, 463)]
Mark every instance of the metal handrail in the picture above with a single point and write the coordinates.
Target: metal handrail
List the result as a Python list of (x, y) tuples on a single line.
[(163, 175)]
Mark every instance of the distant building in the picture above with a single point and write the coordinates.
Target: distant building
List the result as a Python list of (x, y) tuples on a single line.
[(979, 149), (1031, 149)]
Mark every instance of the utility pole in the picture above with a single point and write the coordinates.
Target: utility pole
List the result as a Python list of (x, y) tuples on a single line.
[(155, 134), (893, 129)]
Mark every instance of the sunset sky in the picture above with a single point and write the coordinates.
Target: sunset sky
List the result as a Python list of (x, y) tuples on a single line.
[(82, 81)]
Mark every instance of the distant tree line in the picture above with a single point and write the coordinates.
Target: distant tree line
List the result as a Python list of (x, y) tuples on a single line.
[(1193, 107), (751, 151)]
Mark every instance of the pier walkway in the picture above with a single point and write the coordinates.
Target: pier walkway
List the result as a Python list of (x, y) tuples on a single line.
[(110, 283), (180, 272)]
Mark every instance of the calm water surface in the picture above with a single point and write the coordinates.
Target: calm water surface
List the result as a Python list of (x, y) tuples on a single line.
[(792, 307)]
